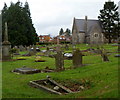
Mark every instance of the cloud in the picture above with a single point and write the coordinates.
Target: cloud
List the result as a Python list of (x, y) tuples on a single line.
[(50, 15)]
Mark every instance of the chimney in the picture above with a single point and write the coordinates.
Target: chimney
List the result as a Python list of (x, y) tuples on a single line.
[(86, 18), (85, 27), (85, 24)]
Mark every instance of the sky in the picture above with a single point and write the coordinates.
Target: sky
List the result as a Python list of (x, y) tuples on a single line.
[(49, 16)]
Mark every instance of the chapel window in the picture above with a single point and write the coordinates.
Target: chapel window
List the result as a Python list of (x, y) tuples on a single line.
[(96, 35)]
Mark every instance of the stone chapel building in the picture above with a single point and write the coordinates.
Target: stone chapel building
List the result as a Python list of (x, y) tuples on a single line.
[(87, 31)]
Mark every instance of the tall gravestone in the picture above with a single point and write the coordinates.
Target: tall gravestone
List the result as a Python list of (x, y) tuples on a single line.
[(77, 58), (59, 60), (6, 45)]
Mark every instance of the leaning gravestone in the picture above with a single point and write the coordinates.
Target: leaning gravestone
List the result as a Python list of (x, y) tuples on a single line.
[(6, 46), (59, 60), (77, 58)]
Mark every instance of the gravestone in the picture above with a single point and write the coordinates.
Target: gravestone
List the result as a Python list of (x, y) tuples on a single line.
[(28, 48), (22, 48), (104, 55), (77, 58), (17, 50), (32, 50), (6, 46), (59, 60), (26, 70)]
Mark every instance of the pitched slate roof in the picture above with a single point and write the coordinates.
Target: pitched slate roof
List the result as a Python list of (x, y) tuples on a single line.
[(80, 23)]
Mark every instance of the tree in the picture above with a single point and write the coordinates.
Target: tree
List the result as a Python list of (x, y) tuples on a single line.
[(109, 17), (61, 31), (20, 28), (68, 32)]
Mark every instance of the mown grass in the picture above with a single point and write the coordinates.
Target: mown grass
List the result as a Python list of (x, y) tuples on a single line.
[(103, 77)]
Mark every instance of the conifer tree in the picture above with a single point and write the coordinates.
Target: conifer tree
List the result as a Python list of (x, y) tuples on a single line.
[(20, 28), (61, 31), (109, 17)]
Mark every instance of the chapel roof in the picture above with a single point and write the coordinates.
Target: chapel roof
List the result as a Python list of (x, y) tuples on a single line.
[(80, 24)]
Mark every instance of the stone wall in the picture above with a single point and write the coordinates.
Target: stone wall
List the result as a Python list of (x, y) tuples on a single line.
[(96, 36), (81, 37)]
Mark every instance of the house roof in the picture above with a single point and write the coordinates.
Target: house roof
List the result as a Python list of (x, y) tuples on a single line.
[(80, 24)]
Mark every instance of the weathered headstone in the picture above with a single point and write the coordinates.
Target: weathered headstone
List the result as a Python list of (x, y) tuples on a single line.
[(59, 60), (104, 55), (77, 58), (6, 45)]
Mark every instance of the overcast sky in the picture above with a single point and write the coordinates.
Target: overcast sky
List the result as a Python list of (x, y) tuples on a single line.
[(49, 16)]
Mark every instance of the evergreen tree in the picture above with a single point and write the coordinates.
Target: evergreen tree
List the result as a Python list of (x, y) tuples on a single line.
[(20, 28), (109, 17), (61, 31), (68, 32)]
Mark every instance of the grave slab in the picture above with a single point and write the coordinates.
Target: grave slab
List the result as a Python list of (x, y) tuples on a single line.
[(25, 70)]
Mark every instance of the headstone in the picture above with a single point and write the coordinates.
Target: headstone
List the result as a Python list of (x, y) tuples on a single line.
[(6, 45), (17, 50), (22, 48), (59, 60), (104, 55), (28, 48), (32, 50), (77, 58)]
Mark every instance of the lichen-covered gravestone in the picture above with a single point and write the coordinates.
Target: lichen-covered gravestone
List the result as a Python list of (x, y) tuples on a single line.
[(59, 60), (77, 58), (6, 46)]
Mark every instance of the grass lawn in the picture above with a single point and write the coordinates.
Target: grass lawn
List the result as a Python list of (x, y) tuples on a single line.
[(103, 77)]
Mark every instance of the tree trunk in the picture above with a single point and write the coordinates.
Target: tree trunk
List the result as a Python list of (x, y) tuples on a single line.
[(109, 40)]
